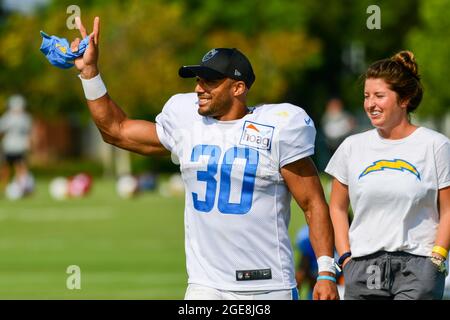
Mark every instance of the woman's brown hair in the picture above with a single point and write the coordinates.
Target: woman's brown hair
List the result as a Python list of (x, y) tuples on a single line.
[(402, 75)]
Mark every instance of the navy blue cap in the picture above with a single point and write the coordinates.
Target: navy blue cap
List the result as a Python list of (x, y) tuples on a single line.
[(221, 63)]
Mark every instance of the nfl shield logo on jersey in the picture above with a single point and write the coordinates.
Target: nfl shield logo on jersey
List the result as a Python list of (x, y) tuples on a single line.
[(257, 135)]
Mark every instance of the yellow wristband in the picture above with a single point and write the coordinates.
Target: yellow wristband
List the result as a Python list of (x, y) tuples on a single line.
[(442, 251)]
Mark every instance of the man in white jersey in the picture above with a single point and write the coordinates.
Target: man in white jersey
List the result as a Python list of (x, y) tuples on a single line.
[(239, 166)]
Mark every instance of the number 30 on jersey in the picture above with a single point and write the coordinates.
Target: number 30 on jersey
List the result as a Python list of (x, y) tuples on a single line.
[(224, 205)]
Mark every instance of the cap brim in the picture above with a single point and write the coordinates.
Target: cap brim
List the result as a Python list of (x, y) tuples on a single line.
[(200, 71)]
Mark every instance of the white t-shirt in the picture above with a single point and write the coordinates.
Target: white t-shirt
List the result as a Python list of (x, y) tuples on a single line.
[(16, 127), (393, 187), (237, 206)]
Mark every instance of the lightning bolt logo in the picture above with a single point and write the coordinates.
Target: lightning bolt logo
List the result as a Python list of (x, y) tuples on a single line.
[(396, 164), (60, 47)]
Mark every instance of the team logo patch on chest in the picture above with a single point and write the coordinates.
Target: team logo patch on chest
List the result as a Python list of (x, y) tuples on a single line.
[(396, 164), (257, 135)]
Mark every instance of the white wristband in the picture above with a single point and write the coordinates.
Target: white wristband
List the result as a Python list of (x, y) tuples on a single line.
[(94, 88), (326, 263)]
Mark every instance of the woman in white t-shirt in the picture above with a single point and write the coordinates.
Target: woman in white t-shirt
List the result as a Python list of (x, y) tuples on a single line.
[(396, 178)]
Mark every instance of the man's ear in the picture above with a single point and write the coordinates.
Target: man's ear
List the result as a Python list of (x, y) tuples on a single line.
[(239, 88)]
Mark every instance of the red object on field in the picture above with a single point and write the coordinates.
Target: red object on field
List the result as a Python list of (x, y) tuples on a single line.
[(80, 185)]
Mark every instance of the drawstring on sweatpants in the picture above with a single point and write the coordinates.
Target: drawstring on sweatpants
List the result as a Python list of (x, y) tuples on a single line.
[(387, 281)]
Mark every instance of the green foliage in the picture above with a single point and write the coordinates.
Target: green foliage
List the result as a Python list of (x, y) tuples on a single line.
[(67, 168), (139, 42), (431, 44), (143, 43), (298, 50), (340, 26), (251, 17)]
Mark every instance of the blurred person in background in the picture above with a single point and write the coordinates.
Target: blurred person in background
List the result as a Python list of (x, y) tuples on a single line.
[(307, 268), (306, 271), (337, 123), (15, 128), (237, 244), (396, 178)]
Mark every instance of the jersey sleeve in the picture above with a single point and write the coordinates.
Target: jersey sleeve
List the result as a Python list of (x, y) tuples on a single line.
[(297, 139), (165, 125), (175, 118), (443, 165), (337, 166)]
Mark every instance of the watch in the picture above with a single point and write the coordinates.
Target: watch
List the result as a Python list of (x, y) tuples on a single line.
[(440, 264)]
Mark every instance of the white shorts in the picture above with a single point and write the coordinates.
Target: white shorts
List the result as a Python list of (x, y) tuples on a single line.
[(199, 292)]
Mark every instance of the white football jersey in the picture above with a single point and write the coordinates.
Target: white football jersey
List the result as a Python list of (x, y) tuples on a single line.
[(237, 206)]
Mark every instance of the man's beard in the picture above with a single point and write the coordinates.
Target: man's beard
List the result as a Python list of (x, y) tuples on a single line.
[(216, 109)]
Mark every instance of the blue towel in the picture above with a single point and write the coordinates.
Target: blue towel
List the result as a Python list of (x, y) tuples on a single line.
[(57, 50)]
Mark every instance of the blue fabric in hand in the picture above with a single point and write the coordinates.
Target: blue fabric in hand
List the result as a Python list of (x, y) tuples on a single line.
[(58, 52)]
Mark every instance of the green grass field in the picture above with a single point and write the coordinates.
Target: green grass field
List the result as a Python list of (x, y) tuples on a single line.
[(125, 248)]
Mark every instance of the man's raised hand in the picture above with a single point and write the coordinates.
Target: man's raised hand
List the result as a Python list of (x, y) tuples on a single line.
[(87, 63)]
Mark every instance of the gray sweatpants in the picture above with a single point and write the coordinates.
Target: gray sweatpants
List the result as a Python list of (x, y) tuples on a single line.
[(393, 275)]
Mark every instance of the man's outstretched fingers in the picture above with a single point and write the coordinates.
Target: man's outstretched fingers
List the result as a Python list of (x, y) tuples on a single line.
[(91, 39), (96, 30), (74, 45), (80, 27)]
